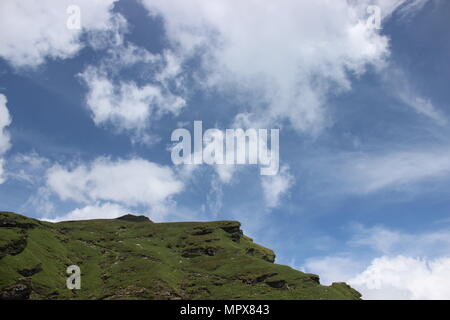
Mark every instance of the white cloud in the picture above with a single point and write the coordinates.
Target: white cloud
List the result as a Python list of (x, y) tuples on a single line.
[(225, 172), (387, 277), (292, 53), (410, 8), (131, 182), (32, 31), (425, 107), (404, 8), (405, 278), (5, 144), (96, 211), (5, 120), (40, 202), (31, 159), (399, 84), (332, 268), (392, 242), (2, 171), (402, 265), (397, 169), (214, 199), (28, 167), (125, 104), (274, 187), (369, 172)]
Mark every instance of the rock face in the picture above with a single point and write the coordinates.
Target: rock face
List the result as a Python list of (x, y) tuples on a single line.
[(130, 258), (133, 218), (19, 291)]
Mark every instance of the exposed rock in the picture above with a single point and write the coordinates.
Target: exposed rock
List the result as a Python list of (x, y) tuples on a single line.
[(269, 257), (30, 272), (314, 277), (133, 218), (250, 251), (18, 291), (5, 223), (234, 229), (14, 247), (278, 284), (196, 252), (202, 231), (265, 277), (231, 227), (266, 254), (258, 279)]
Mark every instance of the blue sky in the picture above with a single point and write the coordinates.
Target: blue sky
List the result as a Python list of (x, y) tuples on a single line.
[(362, 195)]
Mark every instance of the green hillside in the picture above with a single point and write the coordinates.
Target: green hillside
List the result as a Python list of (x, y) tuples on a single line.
[(134, 258)]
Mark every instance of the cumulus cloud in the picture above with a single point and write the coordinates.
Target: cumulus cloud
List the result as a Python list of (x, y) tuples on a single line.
[(405, 278), (274, 187), (5, 144), (131, 183), (333, 268), (125, 104), (97, 211), (32, 31), (292, 54), (388, 277), (403, 265)]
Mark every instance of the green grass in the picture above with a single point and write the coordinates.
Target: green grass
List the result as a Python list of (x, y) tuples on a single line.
[(145, 260)]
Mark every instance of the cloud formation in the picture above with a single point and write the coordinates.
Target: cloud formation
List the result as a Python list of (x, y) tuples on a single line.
[(403, 265), (125, 104), (399, 84), (276, 186), (5, 144), (32, 31), (95, 211), (405, 278), (131, 183), (370, 173), (291, 55), (388, 169)]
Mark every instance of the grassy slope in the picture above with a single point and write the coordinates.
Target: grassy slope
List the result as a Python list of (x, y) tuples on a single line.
[(145, 260)]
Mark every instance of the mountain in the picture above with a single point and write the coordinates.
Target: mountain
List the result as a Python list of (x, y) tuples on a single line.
[(133, 258)]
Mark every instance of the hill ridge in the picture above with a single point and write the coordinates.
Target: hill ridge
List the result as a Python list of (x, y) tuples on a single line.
[(123, 259)]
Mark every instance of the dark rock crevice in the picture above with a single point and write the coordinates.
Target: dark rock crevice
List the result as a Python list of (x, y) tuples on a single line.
[(19, 291)]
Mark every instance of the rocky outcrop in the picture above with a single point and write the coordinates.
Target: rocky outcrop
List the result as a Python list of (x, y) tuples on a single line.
[(13, 247), (234, 229), (133, 218), (196, 252), (30, 272), (19, 291)]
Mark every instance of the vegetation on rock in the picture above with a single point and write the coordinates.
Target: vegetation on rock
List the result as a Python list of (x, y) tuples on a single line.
[(134, 258)]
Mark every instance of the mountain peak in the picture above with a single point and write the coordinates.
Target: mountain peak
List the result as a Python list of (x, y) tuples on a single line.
[(133, 218)]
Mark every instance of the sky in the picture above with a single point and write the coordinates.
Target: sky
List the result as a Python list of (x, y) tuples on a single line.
[(91, 91)]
